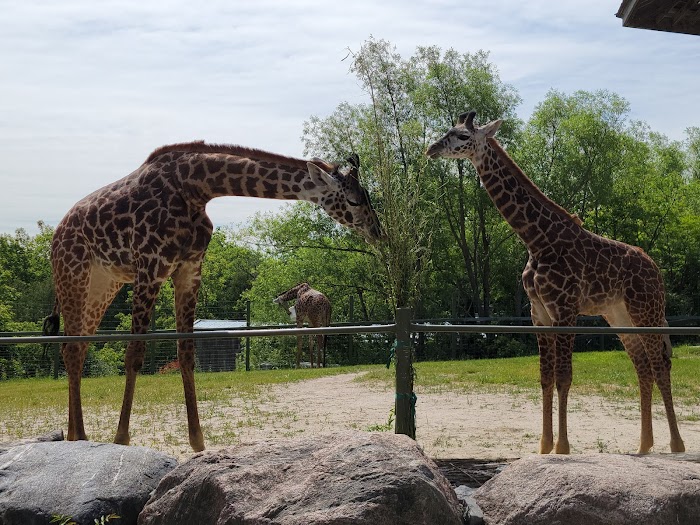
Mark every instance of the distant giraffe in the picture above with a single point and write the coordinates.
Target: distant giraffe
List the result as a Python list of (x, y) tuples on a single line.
[(572, 271), (312, 306), (152, 225)]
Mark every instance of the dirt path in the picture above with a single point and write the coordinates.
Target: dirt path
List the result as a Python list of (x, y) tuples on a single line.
[(467, 425)]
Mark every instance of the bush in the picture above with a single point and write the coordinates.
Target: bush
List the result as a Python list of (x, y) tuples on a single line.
[(107, 361)]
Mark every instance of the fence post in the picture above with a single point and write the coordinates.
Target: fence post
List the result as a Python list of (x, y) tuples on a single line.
[(152, 344), (351, 351), (247, 339), (405, 404), (453, 335)]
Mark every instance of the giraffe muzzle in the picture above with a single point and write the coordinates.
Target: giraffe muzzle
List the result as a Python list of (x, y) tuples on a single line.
[(434, 150)]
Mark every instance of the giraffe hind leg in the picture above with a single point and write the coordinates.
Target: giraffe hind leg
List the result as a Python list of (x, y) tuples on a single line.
[(86, 296)]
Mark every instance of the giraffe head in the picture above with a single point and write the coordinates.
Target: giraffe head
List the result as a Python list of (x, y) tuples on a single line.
[(340, 194), (464, 141)]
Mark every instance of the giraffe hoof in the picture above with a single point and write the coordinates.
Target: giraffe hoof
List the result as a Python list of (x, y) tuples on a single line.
[(677, 446), (562, 447), (546, 446), (122, 439), (645, 448), (197, 443)]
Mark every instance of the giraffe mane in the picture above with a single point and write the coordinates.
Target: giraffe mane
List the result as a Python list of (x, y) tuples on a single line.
[(199, 146), (531, 186)]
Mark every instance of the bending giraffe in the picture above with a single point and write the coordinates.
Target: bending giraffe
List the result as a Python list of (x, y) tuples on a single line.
[(152, 225), (572, 271), (314, 307)]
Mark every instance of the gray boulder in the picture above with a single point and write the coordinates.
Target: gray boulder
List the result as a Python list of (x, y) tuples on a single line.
[(81, 479), (600, 489), (341, 478)]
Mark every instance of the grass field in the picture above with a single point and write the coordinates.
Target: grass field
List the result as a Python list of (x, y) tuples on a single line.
[(34, 406)]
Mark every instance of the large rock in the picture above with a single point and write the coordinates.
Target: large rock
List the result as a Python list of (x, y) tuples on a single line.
[(342, 478), (600, 489), (81, 479)]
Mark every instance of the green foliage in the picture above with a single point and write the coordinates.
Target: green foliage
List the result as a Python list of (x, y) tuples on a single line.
[(385, 427), (228, 270), (108, 360), (62, 519), (304, 245)]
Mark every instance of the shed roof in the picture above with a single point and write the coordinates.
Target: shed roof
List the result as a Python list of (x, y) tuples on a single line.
[(219, 324), (675, 16)]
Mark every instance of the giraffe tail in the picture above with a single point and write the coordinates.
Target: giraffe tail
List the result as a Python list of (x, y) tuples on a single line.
[(668, 349), (53, 321), (51, 326)]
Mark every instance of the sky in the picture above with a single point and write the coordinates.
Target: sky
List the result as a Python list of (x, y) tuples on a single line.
[(88, 89)]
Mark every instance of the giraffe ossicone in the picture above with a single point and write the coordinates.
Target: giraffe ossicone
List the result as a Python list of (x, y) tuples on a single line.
[(152, 225), (311, 306), (572, 271)]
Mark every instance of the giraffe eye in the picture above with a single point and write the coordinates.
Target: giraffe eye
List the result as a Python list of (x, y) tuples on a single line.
[(362, 195)]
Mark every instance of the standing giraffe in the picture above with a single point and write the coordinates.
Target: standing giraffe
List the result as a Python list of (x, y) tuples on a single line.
[(152, 225), (312, 306), (572, 271)]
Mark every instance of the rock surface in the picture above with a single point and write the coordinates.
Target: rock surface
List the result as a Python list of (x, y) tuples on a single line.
[(600, 489), (341, 478), (81, 479)]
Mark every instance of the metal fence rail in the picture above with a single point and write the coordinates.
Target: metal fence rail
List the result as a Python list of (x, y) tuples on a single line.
[(201, 334), (169, 335)]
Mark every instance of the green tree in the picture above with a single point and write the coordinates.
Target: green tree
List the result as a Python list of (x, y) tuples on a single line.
[(228, 270), (574, 147), (411, 101)]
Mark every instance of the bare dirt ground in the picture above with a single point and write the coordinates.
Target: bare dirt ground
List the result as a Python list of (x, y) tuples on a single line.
[(485, 425)]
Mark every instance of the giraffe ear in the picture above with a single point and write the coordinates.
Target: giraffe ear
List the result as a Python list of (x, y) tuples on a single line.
[(318, 176), (352, 175), (491, 128), (354, 160), (323, 164)]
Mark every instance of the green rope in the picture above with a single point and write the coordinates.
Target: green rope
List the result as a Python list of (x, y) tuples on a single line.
[(392, 352)]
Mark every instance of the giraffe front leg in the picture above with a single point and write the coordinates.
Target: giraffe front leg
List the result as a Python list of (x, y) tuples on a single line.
[(300, 341), (187, 280), (319, 350), (298, 354), (185, 355), (145, 293), (563, 374), (311, 350), (73, 359), (133, 361), (546, 349), (634, 346)]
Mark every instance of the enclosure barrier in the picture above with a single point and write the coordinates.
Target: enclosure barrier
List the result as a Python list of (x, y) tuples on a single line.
[(403, 328)]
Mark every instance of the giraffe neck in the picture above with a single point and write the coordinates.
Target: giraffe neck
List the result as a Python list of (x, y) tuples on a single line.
[(207, 171), (538, 220)]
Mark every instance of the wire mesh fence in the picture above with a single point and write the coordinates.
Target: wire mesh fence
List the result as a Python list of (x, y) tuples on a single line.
[(433, 340)]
